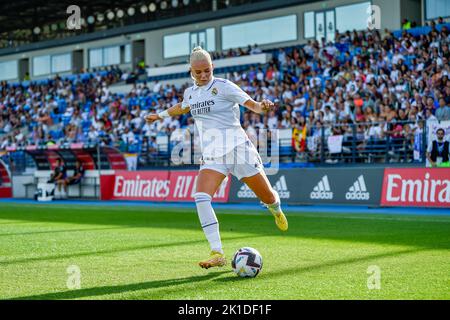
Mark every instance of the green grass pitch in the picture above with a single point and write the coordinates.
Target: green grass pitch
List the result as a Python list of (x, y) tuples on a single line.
[(126, 252)]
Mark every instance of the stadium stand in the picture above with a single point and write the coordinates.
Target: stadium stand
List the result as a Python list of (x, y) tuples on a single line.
[(376, 91)]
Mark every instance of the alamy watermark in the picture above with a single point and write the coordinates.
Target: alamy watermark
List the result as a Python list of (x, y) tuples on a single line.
[(374, 19), (212, 146), (374, 279), (74, 279), (74, 20)]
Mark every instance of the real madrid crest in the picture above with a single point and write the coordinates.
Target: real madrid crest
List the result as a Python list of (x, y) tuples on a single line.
[(214, 91)]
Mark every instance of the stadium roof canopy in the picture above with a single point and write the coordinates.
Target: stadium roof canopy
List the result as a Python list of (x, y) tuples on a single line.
[(24, 21)]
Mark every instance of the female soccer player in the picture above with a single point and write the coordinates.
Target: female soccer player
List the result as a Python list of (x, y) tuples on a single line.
[(214, 105)]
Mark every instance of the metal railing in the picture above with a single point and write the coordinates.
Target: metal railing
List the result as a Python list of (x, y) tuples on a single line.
[(388, 142), (399, 142), (405, 142)]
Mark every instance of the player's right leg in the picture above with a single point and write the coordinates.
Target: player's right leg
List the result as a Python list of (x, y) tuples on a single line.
[(207, 183)]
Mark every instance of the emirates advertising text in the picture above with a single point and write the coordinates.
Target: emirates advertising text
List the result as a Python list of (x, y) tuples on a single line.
[(416, 187)]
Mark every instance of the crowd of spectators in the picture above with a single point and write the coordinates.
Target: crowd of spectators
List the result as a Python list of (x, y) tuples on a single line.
[(365, 85)]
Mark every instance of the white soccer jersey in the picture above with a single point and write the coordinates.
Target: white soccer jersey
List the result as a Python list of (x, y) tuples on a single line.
[(215, 109)]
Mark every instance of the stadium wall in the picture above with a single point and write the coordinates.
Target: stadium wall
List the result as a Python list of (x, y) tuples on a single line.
[(82, 46), (391, 14), (366, 186), (390, 18)]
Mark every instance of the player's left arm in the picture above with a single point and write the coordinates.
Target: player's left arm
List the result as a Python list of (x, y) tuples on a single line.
[(236, 94), (259, 107)]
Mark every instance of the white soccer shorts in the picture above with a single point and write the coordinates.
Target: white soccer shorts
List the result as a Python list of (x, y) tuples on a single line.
[(244, 161)]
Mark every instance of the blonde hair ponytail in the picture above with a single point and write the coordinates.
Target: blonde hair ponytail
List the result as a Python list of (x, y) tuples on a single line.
[(199, 54)]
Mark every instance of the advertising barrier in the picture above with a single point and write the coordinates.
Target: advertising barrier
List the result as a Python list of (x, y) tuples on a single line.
[(319, 186), (416, 187), (155, 186), (348, 186), (5, 181)]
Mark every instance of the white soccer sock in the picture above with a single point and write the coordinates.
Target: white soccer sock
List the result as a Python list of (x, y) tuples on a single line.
[(277, 204), (208, 220)]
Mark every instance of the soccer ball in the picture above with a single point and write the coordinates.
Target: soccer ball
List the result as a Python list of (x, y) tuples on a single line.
[(247, 262)]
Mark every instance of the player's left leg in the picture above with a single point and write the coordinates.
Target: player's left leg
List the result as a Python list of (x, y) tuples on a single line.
[(260, 185)]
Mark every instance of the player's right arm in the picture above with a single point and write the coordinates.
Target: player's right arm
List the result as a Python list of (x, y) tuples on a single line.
[(175, 110)]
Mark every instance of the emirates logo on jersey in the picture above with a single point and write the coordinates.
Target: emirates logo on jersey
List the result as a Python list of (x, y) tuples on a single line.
[(214, 91), (201, 107)]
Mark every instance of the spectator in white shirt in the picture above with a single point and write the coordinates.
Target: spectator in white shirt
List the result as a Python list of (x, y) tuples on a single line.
[(329, 116), (255, 49), (157, 86), (175, 123), (397, 57), (128, 136), (272, 122), (92, 134), (315, 81)]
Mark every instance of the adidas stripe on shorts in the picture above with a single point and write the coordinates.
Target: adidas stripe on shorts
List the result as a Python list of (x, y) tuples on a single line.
[(242, 162)]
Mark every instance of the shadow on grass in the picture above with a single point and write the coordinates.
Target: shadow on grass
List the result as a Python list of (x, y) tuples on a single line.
[(169, 286), (411, 232), (107, 290), (329, 264), (116, 250)]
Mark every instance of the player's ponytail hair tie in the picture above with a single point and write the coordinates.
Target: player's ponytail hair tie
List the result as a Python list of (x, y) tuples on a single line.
[(199, 54)]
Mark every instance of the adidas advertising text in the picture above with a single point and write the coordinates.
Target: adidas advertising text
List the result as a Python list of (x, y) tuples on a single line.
[(358, 190), (354, 186), (322, 190), (280, 186)]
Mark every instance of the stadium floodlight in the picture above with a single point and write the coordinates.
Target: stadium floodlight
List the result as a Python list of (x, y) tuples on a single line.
[(174, 3), (186, 2), (90, 20), (163, 5), (110, 15), (100, 17), (144, 9), (131, 11), (37, 30), (120, 13), (152, 7)]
